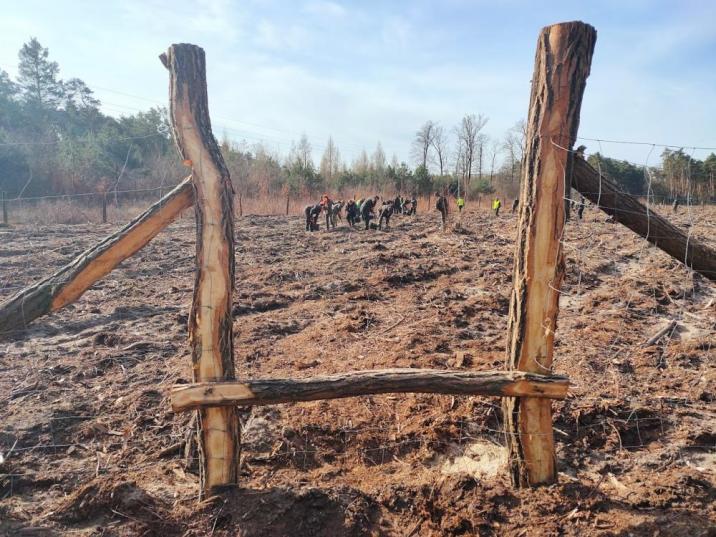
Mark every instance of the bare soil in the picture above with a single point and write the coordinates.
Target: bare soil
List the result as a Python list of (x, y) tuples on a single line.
[(90, 445)]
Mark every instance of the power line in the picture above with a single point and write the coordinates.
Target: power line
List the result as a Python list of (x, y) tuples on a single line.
[(256, 135)]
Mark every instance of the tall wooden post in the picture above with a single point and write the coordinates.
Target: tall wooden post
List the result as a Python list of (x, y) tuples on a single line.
[(210, 321), (104, 208), (4, 208), (562, 63)]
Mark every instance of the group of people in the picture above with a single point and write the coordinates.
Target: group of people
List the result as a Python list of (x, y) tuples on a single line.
[(357, 211), (368, 210), (442, 206)]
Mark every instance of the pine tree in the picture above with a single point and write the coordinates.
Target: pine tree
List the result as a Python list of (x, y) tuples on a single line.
[(37, 76)]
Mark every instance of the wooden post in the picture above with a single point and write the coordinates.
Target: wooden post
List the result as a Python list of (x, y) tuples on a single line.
[(4, 208), (562, 63), (288, 200), (104, 208), (210, 321)]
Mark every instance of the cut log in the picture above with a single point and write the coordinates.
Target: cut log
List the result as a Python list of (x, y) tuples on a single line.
[(71, 281), (562, 63), (629, 211), (273, 391), (210, 321)]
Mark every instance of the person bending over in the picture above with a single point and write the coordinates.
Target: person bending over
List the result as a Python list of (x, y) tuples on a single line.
[(367, 210), (335, 212), (386, 211), (352, 213), (312, 213)]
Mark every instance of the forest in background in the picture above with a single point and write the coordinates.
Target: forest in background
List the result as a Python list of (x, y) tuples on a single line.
[(55, 140)]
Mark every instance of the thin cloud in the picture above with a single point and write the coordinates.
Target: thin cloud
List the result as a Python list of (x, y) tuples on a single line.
[(326, 9)]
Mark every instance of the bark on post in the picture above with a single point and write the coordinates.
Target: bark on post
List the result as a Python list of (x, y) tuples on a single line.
[(562, 63), (210, 322), (71, 281), (630, 212)]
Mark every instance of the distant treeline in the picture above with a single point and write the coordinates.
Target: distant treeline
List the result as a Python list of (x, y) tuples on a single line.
[(54, 140), (679, 176)]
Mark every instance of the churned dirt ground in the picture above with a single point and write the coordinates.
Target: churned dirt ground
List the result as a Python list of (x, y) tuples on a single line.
[(90, 445)]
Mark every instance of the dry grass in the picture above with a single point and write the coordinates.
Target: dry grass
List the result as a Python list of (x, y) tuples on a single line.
[(72, 211), (88, 210)]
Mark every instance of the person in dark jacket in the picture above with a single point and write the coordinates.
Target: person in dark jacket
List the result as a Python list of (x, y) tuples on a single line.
[(386, 211), (367, 210), (335, 213), (312, 213), (442, 206), (580, 207), (352, 213)]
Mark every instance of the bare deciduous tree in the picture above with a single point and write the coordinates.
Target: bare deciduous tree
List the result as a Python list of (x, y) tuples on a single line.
[(480, 142), (514, 146), (422, 143), (361, 165), (304, 152), (494, 151), (468, 145), (440, 145), (330, 162), (378, 163)]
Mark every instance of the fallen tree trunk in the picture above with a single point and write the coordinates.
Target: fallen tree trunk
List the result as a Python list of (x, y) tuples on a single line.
[(629, 211), (273, 391), (71, 281)]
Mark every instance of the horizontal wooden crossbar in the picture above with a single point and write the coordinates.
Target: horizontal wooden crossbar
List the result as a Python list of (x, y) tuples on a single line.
[(273, 391)]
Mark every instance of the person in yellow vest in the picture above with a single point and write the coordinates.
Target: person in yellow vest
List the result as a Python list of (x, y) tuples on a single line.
[(496, 204), (460, 203)]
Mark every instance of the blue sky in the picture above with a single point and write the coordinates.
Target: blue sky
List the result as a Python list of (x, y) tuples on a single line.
[(374, 71)]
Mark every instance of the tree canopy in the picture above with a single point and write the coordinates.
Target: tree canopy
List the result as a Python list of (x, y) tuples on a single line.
[(55, 139)]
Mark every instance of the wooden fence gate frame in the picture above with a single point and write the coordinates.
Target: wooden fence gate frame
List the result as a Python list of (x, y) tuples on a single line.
[(562, 64)]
